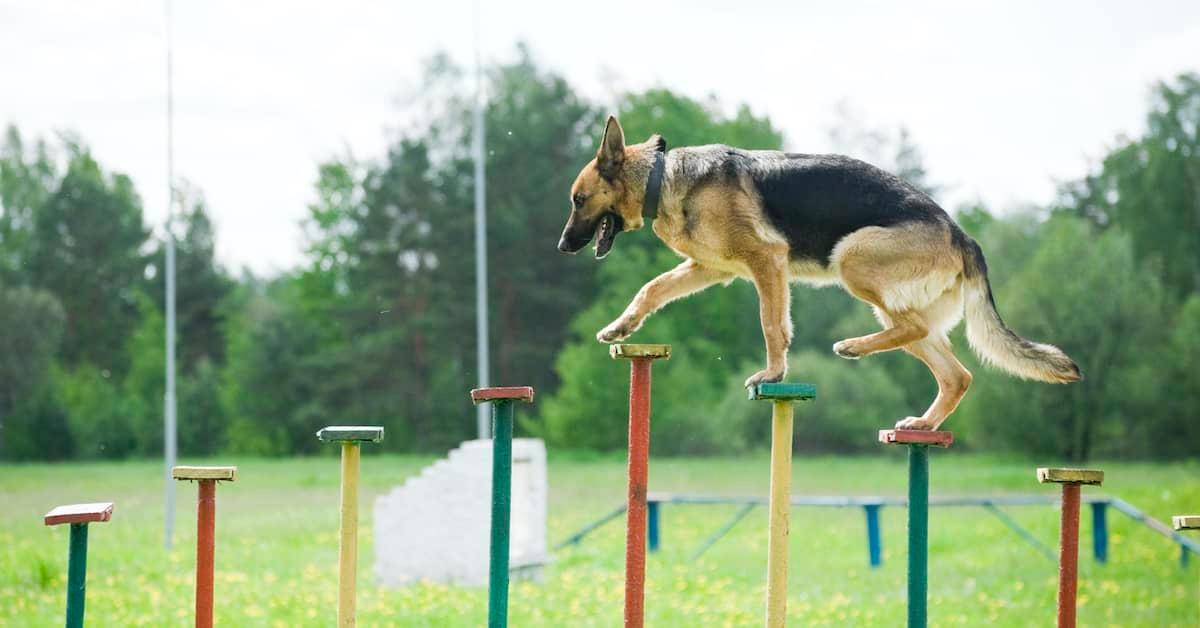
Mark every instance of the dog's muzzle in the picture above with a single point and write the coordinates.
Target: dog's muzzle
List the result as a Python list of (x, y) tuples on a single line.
[(604, 228)]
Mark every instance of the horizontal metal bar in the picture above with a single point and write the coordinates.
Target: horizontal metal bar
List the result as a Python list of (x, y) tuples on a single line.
[(840, 501), (1155, 524)]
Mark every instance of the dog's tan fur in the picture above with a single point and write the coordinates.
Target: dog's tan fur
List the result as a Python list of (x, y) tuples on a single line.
[(913, 275)]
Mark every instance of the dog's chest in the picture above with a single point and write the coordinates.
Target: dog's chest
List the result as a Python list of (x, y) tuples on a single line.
[(698, 245)]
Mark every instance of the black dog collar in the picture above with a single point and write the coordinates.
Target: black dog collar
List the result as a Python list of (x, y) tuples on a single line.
[(654, 185)]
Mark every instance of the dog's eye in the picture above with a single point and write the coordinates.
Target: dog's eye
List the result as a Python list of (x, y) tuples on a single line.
[(579, 199)]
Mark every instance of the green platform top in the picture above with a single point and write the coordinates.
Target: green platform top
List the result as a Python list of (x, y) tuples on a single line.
[(782, 391), (227, 474), (654, 352), (351, 433), (1070, 476), (1186, 522)]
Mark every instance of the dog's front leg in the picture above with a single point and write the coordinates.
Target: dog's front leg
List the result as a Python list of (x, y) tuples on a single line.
[(774, 300), (686, 278)]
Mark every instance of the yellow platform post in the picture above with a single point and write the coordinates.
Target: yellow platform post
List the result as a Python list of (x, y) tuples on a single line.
[(781, 493), (348, 531), (351, 437), (782, 396)]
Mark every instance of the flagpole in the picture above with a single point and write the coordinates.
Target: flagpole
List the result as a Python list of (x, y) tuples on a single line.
[(169, 439), (482, 418)]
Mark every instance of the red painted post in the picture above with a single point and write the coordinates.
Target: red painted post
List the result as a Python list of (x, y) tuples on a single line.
[(206, 524), (639, 459), (1068, 535), (1068, 557)]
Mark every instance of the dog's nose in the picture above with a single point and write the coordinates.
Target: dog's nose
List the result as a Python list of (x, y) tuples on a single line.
[(562, 245)]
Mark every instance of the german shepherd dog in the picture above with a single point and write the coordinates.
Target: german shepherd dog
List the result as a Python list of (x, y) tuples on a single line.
[(774, 217)]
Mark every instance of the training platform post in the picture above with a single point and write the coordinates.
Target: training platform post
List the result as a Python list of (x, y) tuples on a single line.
[(782, 396), (78, 516), (502, 399), (640, 357), (206, 525), (351, 437), (918, 442), (1068, 534)]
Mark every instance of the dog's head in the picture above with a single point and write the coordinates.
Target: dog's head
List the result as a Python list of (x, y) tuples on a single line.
[(601, 203)]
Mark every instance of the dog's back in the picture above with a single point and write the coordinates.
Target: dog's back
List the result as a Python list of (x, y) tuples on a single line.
[(813, 200)]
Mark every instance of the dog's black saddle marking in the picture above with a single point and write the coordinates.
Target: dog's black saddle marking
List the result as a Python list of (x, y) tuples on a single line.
[(816, 200)]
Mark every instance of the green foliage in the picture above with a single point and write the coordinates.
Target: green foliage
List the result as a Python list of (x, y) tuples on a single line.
[(683, 121), (1109, 316), (1150, 186), (31, 325), (1173, 426), (270, 381), (203, 418), (97, 412), (201, 287), (27, 176), (144, 384), (88, 237)]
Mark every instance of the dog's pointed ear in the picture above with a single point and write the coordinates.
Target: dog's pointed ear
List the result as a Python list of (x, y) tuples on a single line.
[(612, 149)]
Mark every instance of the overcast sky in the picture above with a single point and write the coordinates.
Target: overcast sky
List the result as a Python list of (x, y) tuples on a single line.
[(1003, 101)]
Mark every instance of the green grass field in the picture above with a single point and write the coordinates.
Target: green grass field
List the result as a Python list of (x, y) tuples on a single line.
[(277, 548)]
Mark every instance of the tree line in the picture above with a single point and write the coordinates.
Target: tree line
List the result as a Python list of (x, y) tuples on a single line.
[(377, 324)]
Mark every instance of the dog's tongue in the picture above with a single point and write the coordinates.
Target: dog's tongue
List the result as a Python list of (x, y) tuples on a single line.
[(605, 234)]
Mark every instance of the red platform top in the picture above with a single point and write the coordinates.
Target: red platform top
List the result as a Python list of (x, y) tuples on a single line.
[(80, 513), (520, 393), (916, 437)]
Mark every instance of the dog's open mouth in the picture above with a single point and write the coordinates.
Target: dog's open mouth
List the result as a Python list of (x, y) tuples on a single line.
[(610, 225)]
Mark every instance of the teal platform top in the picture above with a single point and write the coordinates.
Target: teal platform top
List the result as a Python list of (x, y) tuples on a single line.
[(782, 391), (355, 433)]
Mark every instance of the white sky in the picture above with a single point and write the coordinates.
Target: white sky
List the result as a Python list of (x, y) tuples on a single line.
[(1003, 100)]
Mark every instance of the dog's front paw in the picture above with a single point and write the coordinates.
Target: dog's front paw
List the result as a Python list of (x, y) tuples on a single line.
[(845, 349), (765, 376), (915, 423), (616, 331)]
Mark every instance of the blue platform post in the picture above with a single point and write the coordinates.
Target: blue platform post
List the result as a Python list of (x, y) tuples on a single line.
[(1183, 556), (874, 544), (1100, 531), (652, 525)]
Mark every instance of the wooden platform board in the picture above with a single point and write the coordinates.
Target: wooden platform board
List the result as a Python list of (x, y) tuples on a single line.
[(783, 391), (80, 513), (352, 433), (519, 393), (1186, 522), (936, 438), (654, 352), (226, 474), (1070, 476)]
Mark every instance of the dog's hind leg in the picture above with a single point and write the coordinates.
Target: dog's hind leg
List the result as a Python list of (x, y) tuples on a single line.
[(952, 377), (686, 278), (902, 272), (902, 328)]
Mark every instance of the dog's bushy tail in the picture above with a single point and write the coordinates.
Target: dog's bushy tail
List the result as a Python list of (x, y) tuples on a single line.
[(995, 343)]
